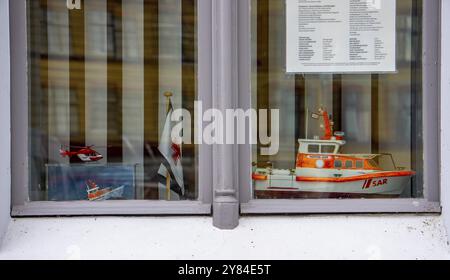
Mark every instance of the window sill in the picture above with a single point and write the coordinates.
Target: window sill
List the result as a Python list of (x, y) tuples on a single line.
[(110, 208), (340, 206)]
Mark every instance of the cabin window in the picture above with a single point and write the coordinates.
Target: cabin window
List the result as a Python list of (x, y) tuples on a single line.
[(337, 163), (314, 149), (359, 164), (327, 149), (349, 164)]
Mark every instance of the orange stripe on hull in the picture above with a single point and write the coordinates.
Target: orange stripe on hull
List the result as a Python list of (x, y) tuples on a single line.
[(356, 178), (258, 177), (317, 195)]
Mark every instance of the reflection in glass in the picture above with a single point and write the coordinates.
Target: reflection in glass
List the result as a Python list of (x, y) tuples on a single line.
[(372, 121), (97, 107)]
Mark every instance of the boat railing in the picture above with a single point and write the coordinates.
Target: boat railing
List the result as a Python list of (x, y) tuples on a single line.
[(391, 157)]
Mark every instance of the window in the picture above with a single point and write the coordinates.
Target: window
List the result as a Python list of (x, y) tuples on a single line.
[(102, 29), (376, 120), (109, 93), (313, 149), (328, 149), (105, 82), (359, 164), (57, 28), (349, 164), (381, 103)]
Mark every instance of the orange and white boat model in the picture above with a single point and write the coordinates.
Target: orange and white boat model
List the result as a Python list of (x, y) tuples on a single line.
[(96, 193), (323, 172)]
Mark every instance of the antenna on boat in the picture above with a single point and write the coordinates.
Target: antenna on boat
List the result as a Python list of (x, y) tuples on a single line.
[(307, 123)]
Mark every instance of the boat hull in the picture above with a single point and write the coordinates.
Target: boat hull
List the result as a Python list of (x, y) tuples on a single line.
[(113, 194), (317, 195), (378, 185)]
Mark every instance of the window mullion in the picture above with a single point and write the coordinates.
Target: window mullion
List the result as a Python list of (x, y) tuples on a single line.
[(224, 75)]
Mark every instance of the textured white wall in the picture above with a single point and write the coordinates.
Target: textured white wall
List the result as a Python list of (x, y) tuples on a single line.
[(445, 112), (299, 237), (5, 144)]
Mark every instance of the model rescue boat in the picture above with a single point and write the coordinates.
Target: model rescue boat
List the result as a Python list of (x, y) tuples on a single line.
[(323, 172), (96, 193)]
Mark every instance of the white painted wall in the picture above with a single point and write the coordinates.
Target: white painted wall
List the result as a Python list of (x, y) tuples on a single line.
[(5, 144), (445, 112), (262, 238)]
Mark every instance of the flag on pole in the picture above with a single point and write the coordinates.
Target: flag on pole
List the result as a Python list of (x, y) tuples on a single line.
[(171, 153)]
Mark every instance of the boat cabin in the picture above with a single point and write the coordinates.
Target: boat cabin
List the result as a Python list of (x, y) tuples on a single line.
[(325, 154), (320, 146)]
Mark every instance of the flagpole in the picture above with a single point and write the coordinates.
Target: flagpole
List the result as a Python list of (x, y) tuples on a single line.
[(168, 95)]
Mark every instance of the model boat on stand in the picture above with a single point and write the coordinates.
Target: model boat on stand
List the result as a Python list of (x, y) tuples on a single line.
[(321, 171)]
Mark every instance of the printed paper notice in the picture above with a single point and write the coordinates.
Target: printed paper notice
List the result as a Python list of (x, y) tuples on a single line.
[(340, 36)]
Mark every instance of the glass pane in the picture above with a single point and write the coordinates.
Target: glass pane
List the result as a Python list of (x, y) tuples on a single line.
[(368, 126), (99, 103)]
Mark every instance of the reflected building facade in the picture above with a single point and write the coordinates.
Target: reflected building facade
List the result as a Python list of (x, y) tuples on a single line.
[(97, 78)]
